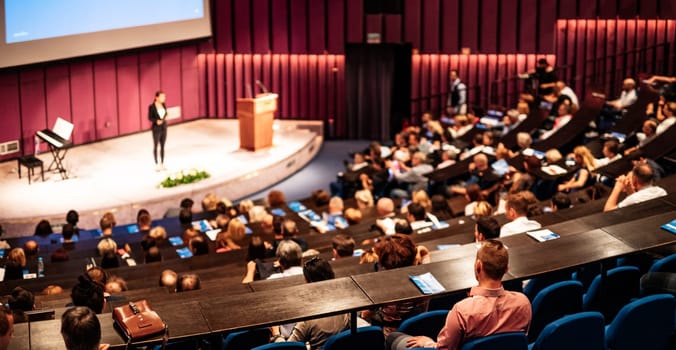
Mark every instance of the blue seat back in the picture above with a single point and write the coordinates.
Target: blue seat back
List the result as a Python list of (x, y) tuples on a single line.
[(536, 284), (246, 340), (581, 331), (554, 302), (666, 264), (292, 345), (609, 295), (428, 324), (502, 341), (646, 323), (365, 338)]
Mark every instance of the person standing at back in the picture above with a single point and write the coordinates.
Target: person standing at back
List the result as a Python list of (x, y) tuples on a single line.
[(157, 114)]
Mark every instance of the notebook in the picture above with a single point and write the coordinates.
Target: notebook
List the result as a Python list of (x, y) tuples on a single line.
[(133, 228), (427, 283), (670, 226), (202, 225), (543, 235), (176, 241), (296, 207), (184, 253), (278, 212)]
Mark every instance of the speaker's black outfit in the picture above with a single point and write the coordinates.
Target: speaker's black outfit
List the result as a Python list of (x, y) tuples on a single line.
[(159, 131)]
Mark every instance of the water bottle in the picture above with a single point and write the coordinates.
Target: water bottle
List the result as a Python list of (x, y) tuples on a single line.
[(41, 267)]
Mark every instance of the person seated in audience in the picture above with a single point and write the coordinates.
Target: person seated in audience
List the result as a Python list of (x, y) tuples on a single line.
[(43, 228), (52, 289), (563, 92), (14, 264), (385, 210), (115, 285), (276, 199), (232, 237), (353, 216), (147, 242), (153, 255), (257, 249), (109, 260), (564, 116), (188, 282), (421, 197), (185, 219), (257, 213), (648, 132), (486, 228), (343, 246), (461, 127), (364, 199), (489, 309), (21, 301), (483, 208), (440, 208), (198, 246), (482, 174), (638, 185), (186, 203), (143, 221), (369, 256), (158, 234), (168, 278), (473, 196), (81, 330), (321, 198), (559, 201), (31, 248), (611, 153), (289, 230), (669, 111), (410, 178), (106, 244), (97, 274), (517, 206), (394, 252), (289, 256), (73, 217), (448, 158), (477, 146), (209, 204), (336, 206), (266, 224), (583, 175), (189, 234), (348, 181), (6, 328), (316, 331), (88, 293), (67, 233), (514, 117), (419, 219), (523, 142), (628, 96)]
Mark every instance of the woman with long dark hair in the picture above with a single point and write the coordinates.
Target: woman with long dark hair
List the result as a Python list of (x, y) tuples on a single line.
[(157, 114)]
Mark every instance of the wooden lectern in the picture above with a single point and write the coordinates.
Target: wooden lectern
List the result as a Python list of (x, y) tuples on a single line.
[(256, 116)]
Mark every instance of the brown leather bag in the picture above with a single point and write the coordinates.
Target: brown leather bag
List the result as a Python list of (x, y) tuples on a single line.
[(138, 320)]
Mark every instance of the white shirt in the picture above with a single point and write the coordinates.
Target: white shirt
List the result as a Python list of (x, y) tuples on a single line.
[(664, 125), (627, 98), (571, 95), (292, 271), (605, 160), (518, 225), (645, 194), (469, 209), (559, 123)]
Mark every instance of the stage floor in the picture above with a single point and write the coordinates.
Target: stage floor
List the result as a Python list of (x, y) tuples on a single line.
[(119, 174)]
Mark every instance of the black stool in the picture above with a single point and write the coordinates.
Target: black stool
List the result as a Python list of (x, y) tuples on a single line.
[(31, 162)]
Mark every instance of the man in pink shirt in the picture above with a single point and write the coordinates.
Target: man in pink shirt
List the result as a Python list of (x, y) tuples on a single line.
[(489, 309)]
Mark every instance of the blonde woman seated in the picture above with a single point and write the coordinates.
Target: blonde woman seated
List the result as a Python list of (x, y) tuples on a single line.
[(231, 238), (583, 176)]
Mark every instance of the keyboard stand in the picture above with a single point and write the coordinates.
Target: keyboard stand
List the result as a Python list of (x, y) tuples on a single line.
[(58, 154)]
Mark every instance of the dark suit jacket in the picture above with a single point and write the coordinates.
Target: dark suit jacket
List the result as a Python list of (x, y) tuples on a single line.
[(154, 116)]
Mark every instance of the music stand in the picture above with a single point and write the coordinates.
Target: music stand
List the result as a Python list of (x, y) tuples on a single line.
[(63, 129)]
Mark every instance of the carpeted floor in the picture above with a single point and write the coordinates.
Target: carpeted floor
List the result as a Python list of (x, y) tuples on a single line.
[(318, 173)]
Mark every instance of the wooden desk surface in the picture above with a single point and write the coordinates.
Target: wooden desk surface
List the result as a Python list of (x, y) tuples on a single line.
[(644, 233), (290, 304)]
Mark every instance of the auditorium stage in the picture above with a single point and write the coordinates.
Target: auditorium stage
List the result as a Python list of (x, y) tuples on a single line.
[(118, 175)]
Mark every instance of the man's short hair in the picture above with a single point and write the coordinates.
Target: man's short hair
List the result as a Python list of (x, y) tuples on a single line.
[(88, 293), (289, 253), (644, 174), (396, 251), (188, 282), (105, 223), (67, 231), (31, 248), (98, 275), (560, 200), (488, 227), (168, 278), (289, 228), (185, 216), (336, 203), (417, 211), (402, 226), (494, 258), (72, 217), (153, 255), (613, 146), (21, 299), (143, 218), (321, 197), (343, 244), (186, 203), (318, 269), (80, 329), (518, 202), (385, 206), (199, 246)]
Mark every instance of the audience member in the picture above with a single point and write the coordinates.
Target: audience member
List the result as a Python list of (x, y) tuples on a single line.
[(289, 255), (486, 228), (257, 249), (43, 228), (106, 244), (582, 178), (232, 237), (52, 289), (385, 210), (489, 308), (106, 224), (186, 203), (209, 203), (364, 199), (188, 282), (153, 255), (115, 285), (81, 330), (185, 219), (611, 153), (189, 234), (20, 302), (158, 234), (628, 96), (257, 213), (473, 196), (97, 274), (72, 218), (168, 278), (198, 246), (321, 198), (276, 199), (368, 257), (353, 216), (560, 201), (15, 263), (410, 178), (88, 293), (638, 185), (31, 248), (67, 233), (109, 260), (564, 116), (440, 208), (517, 208), (669, 111), (394, 252), (343, 246), (6, 328)]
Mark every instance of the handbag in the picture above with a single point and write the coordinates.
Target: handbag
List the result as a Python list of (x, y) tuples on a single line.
[(138, 321)]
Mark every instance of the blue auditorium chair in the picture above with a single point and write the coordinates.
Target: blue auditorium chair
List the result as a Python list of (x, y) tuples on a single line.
[(581, 331), (666, 264), (608, 295), (370, 337), (554, 302), (246, 340), (502, 341), (536, 284), (646, 324), (428, 324), (291, 345)]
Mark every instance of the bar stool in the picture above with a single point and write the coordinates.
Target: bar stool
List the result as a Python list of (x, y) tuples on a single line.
[(31, 162)]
